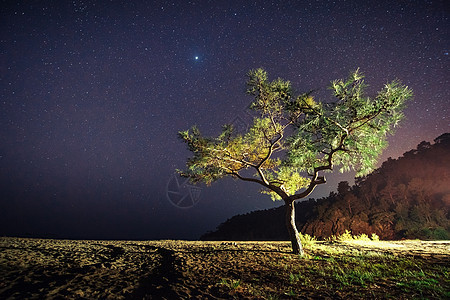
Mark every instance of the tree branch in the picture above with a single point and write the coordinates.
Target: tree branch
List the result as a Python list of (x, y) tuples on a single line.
[(367, 120), (315, 178), (270, 152), (247, 178), (267, 185), (261, 174)]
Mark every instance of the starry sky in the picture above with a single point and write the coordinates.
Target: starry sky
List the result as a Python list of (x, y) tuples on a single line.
[(93, 93)]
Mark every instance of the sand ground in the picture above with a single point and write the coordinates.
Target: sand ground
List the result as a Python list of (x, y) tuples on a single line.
[(76, 269)]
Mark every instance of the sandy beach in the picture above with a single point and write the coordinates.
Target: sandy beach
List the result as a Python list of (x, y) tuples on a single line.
[(76, 269)]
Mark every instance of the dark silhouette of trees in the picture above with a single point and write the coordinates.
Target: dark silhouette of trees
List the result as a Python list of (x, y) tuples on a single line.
[(295, 139)]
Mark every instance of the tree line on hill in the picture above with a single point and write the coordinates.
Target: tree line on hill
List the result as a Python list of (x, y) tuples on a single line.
[(406, 198)]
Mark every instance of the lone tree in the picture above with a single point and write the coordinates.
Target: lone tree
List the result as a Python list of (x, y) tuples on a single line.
[(294, 139)]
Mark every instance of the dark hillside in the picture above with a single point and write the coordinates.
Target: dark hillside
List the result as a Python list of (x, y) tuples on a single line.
[(408, 197), (260, 225)]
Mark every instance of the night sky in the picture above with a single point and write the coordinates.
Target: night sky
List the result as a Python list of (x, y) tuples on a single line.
[(93, 93)]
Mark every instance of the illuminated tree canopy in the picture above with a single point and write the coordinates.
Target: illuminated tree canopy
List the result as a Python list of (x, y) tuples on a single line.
[(295, 139)]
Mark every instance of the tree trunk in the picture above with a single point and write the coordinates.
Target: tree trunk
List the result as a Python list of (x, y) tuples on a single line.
[(292, 228)]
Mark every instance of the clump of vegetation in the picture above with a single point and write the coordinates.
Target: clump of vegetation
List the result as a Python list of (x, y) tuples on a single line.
[(232, 284), (307, 240), (347, 236)]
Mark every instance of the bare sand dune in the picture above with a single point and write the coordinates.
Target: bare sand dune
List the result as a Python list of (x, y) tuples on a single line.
[(50, 269)]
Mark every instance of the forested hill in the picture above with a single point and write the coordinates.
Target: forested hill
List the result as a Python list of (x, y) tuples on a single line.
[(408, 197)]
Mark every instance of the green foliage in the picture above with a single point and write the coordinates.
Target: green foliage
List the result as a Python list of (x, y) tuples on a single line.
[(232, 284), (352, 131), (426, 233), (295, 133), (347, 236), (291, 180), (307, 240)]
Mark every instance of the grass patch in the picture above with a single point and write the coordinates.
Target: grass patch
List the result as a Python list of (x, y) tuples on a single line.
[(232, 284), (365, 272)]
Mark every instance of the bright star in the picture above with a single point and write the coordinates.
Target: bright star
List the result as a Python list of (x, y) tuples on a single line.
[(196, 58)]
